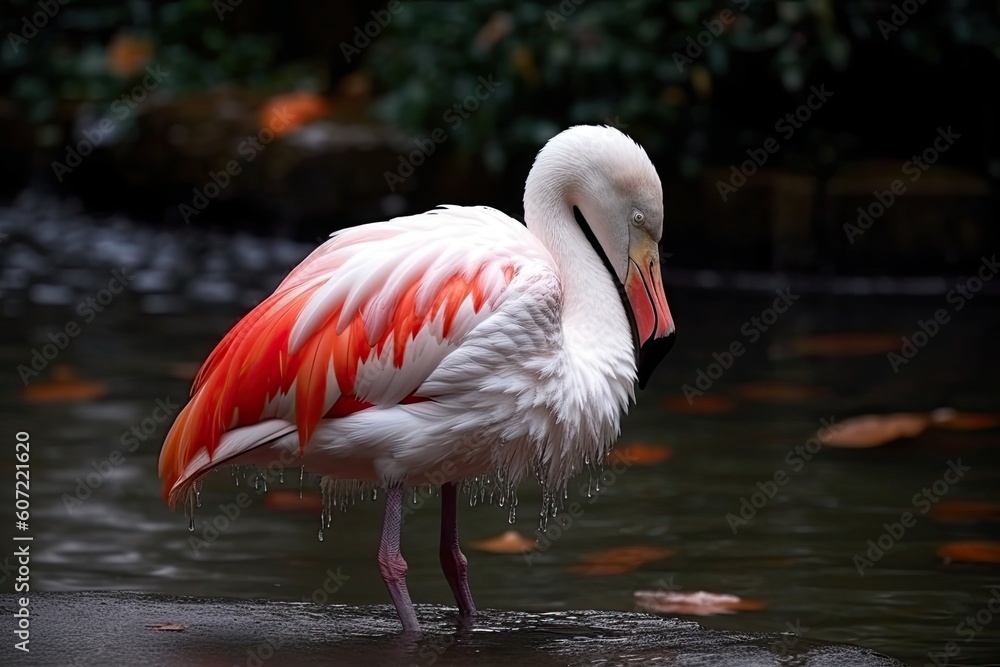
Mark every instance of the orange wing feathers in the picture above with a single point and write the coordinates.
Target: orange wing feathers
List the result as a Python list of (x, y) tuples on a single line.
[(250, 374)]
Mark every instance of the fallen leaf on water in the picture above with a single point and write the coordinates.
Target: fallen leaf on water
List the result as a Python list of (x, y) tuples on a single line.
[(289, 500), (964, 421), (508, 542), (970, 552), (639, 453), (167, 627), (779, 391), (875, 430), (694, 604), (182, 370), (64, 385), (950, 511), (619, 560), (843, 344), (705, 404)]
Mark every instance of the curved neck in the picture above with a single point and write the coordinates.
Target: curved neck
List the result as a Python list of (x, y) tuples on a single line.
[(594, 320), (593, 380)]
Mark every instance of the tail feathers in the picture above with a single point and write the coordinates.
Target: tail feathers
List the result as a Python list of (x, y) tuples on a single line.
[(178, 475)]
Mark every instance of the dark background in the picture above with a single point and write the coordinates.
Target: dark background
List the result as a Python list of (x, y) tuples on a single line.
[(358, 109), (360, 105)]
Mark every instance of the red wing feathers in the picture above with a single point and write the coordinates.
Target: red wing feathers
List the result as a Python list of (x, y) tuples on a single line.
[(248, 376)]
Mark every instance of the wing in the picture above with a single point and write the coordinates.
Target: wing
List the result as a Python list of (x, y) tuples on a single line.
[(361, 322)]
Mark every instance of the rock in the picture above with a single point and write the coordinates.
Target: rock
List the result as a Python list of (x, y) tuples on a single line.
[(123, 629)]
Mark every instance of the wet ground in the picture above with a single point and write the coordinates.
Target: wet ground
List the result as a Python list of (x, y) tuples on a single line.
[(98, 522), (167, 631)]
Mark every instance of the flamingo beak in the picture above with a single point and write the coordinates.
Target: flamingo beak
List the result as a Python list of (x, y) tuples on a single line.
[(654, 324)]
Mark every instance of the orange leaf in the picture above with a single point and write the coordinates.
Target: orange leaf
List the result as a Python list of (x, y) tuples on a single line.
[(167, 627), (509, 542), (182, 370), (707, 404), (64, 386), (639, 453), (844, 344), (970, 552), (875, 430), (128, 53), (950, 511), (694, 604), (287, 500), (778, 391), (283, 113), (964, 421), (620, 560)]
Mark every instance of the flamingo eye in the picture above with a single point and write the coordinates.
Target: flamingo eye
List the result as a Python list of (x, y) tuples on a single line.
[(638, 217)]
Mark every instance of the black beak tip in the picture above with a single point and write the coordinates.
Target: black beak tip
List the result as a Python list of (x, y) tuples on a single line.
[(650, 356)]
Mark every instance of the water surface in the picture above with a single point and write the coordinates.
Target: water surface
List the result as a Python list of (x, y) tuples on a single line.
[(796, 554)]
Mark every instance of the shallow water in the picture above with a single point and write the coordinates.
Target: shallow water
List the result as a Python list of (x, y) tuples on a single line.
[(168, 631), (796, 555)]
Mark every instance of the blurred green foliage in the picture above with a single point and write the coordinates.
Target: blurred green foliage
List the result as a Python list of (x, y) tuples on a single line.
[(654, 68), (650, 67), (81, 56)]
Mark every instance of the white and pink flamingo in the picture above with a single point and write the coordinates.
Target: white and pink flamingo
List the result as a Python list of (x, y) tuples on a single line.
[(458, 339)]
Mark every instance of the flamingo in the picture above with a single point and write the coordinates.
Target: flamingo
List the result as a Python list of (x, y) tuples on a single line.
[(448, 346)]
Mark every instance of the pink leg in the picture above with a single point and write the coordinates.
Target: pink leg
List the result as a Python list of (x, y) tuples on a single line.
[(453, 561), (391, 563)]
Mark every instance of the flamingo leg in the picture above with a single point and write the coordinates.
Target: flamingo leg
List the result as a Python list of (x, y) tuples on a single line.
[(391, 562), (453, 561)]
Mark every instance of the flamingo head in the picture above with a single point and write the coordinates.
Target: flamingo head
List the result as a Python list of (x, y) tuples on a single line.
[(617, 200)]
